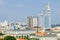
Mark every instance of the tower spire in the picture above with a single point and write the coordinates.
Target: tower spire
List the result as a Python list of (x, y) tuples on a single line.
[(48, 6)]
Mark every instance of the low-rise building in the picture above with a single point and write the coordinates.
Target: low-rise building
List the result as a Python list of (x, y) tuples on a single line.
[(18, 32)]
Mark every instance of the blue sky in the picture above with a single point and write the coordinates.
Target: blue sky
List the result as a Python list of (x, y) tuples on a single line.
[(19, 10)]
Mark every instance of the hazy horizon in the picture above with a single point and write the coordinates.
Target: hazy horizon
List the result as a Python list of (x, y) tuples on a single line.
[(19, 10)]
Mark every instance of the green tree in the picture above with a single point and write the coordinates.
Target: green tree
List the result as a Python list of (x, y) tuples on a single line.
[(1, 34), (9, 38), (22, 35), (32, 34), (33, 39)]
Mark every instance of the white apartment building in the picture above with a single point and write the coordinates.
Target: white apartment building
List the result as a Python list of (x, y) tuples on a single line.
[(48, 38), (18, 33)]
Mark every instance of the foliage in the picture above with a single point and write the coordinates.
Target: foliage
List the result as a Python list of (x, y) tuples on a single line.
[(1, 34), (27, 37), (32, 34), (33, 39), (9, 38)]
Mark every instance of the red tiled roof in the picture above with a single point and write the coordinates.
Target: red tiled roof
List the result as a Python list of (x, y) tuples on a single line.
[(21, 39), (40, 33)]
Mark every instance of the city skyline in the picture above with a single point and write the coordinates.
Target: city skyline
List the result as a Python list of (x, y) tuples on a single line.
[(19, 10)]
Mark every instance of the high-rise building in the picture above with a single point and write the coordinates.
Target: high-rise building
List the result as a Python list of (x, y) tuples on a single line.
[(46, 17), (32, 21)]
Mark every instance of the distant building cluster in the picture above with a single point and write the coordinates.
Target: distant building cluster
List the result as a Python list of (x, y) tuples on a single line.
[(41, 27)]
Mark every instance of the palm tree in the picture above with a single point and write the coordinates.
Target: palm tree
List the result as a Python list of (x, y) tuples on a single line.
[(22, 35)]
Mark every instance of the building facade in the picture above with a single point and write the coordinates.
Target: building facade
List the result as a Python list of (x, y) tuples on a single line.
[(46, 17), (32, 21)]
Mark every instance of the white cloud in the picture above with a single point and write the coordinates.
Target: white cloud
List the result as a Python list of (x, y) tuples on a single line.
[(19, 5)]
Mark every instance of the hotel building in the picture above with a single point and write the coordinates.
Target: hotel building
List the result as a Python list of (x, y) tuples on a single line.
[(46, 17)]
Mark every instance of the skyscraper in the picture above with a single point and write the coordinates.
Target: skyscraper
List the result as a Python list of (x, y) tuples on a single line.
[(32, 21), (47, 17)]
